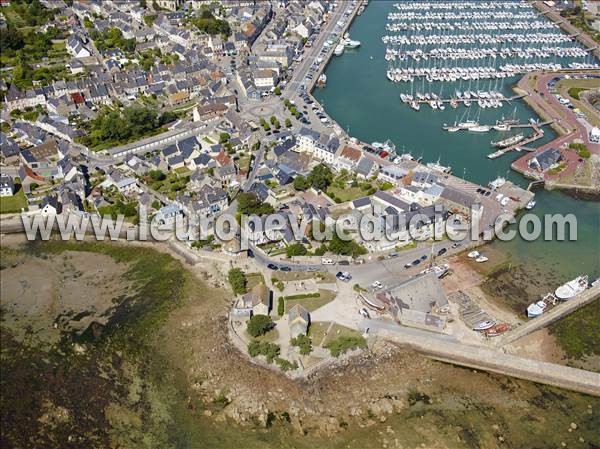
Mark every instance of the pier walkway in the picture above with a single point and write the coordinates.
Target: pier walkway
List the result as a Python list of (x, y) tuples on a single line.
[(538, 134), (447, 349), (470, 100), (556, 313)]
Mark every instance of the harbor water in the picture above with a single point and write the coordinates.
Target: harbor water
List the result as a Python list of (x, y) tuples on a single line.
[(367, 105)]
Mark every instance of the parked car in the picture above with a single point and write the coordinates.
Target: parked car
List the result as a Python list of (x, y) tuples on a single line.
[(392, 255), (424, 257), (442, 251), (344, 262), (272, 266), (416, 262), (364, 312), (327, 262)]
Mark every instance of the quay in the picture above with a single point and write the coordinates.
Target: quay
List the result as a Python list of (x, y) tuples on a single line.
[(557, 312), (470, 100)]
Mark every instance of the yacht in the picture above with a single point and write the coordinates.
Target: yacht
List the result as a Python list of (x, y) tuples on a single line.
[(530, 205), (349, 43), (468, 124), (339, 49), (512, 140), (536, 309), (497, 183), (438, 167), (473, 254), (572, 288), (479, 129), (481, 259)]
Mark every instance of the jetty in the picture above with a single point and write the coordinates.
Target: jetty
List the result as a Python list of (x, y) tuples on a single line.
[(538, 134)]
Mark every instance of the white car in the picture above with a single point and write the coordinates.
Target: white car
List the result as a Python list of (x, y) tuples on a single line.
[(364, 312), (327, 262), (377, 285)]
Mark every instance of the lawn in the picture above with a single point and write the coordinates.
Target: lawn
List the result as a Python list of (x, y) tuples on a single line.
[(13, 204), (321, 276), (253, 279), (311, 304), (316, 331), (339, 331)]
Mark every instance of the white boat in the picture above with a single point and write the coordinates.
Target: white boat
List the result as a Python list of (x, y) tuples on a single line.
[(536, 309), (322, 80), (481, 259), (530, 205), (483, 325), (512, 140), (572, 288), (479, 129), (452, 129), (473, 254), (468, 124), (438, 167), (339, 49), (501, 127), (439, 270), (350, 43), (497, 183)]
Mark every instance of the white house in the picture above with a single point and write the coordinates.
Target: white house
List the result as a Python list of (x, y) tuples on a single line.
[(7, 186), (76, 48)]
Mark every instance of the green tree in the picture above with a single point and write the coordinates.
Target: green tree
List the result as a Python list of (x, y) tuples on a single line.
[(300, 183), (277, 90), (250, 204), (280, 306), (237, 280), (344, 247), (296, 249), (303, 342), (224, 137), (320, 177), (259, 325), (288, 123)]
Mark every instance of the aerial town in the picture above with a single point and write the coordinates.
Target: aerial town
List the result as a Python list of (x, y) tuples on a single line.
[(443, 124)]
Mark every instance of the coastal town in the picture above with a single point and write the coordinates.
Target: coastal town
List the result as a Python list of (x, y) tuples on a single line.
[(197, 110)]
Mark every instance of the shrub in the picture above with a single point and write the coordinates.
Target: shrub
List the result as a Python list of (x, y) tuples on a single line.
[(237, 279), (269, 350), (280, 306), (285, 365), (259, 325), (303, 342), (303, 296), (344, 343)]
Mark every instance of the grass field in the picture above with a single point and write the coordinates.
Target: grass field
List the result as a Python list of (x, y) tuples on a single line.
[(13, 204), (311, 304)]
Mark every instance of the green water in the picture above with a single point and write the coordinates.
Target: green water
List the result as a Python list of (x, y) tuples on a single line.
[(361, 99)]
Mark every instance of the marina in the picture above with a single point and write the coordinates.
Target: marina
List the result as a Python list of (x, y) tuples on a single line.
[(375, 112)]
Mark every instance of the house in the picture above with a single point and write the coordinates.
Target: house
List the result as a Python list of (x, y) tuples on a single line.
[(365, 168), (50, 206), (76, 48), (258, 300), (29, 179), (298, 320), (391, 173), (7, 185), (265, 79), (545, 160), (43, 158), (167, 214), (348, 158)]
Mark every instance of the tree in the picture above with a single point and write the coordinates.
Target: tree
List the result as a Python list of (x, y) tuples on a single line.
[(259, 325), (300, 183), (250, 204), (320, 177), (280, 306), (288, 123), (296, 249), (273, 120), (277, 90), (157, 175), (237, 280), (224, 137), (344, 247)]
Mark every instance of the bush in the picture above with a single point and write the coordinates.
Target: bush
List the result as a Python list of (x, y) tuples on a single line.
[(259, 325), (345, 343), (303, 296), (581, 149), (237, 280), (285, 365), (269, 350), (296, 249), (303, 342), (280, 306)]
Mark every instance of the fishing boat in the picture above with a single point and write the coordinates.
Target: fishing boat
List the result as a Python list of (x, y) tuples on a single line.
[(536, 309), (497, 183), (510, 141), (572, 288), (496, 329), (473, 254), (483, 325), (439, 270), (530, 205), (438, 167), (481, 259)]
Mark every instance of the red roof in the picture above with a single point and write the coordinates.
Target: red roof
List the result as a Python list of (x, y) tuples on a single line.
[(222, 159), (77, 98)]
